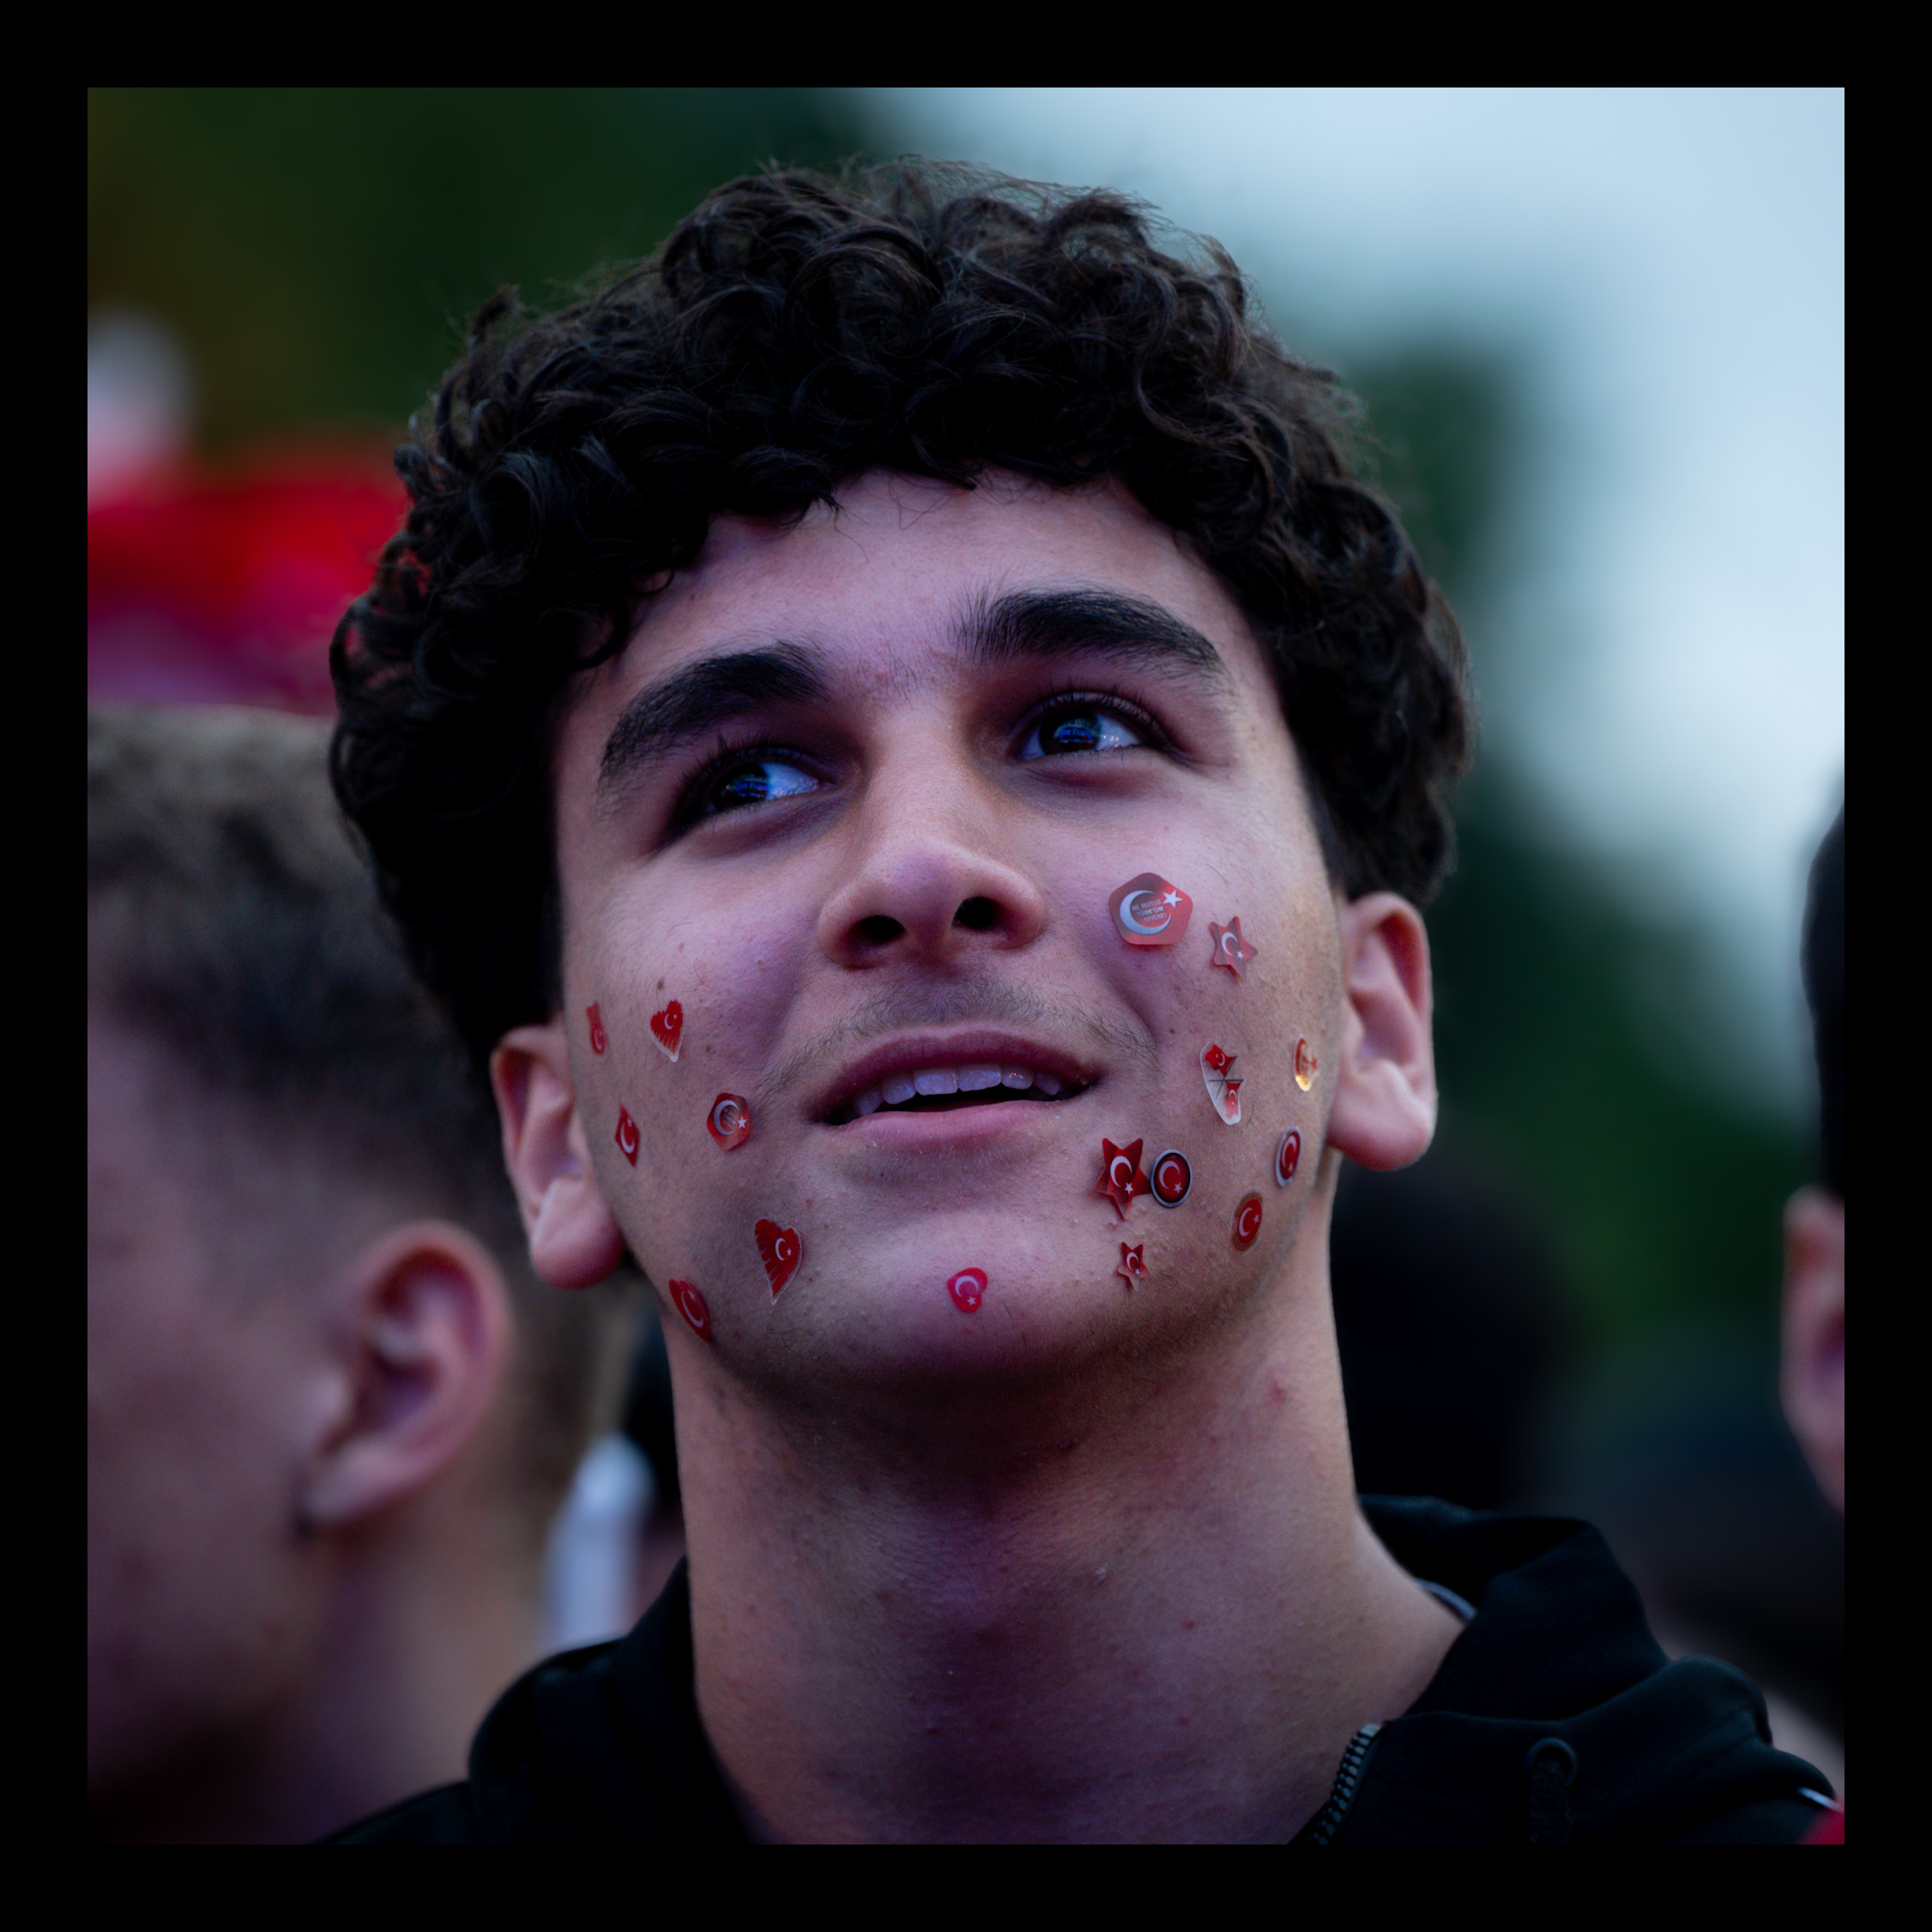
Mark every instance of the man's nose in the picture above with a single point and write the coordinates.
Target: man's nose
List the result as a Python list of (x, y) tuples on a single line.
[(930, 883)]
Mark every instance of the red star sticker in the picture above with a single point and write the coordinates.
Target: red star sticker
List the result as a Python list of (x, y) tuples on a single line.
[(1230, 948), (1133, 1265), (1120, 1177)]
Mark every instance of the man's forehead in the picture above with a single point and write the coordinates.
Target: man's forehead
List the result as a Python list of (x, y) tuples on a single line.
[(901, 569)]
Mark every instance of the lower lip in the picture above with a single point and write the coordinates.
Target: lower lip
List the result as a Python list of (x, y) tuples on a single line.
[(955, 1127)]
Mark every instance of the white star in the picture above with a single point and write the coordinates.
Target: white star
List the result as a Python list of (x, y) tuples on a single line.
[(1170, 898)]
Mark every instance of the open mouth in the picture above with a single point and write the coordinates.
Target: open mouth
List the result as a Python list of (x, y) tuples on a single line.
[(941, 1089)]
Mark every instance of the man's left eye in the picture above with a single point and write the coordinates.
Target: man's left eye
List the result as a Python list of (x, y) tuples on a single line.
[(1079, 727)]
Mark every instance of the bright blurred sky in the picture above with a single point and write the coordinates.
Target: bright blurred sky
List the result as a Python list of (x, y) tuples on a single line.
[(1667, 268)]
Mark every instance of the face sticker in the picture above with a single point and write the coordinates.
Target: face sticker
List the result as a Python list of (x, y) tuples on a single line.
[(1133, 1266), (1120, 1177), (598, 1043), (627, 1135), (1224, 1095), (780, 1247), (1304, 1064), (1230, 948), (1288, 1157), (731, 1121), (1247, 1223), (1170, 1177), (967, 1289), (667, 1028), (691, 1306), (1150, 912)]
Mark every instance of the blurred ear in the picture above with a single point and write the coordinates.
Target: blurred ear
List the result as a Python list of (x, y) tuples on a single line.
[(1813, 1374), (423, 1340), (574, 1240), (1384, 1115)]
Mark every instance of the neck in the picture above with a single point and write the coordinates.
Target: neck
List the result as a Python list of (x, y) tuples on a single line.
[(429, 1618), (1146, 1611)]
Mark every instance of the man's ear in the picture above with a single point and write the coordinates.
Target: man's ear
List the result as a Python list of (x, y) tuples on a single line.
[(1384, 1115), (423, 1337), (574, 1240), (1813, 1374)]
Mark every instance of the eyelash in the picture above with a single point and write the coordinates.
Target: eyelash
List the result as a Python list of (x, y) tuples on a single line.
[(689, 811)]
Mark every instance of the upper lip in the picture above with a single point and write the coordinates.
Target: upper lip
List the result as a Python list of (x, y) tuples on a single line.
[(908, 1052)]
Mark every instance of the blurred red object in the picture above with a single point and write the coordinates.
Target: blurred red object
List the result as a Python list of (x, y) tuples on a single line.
[(210, 585)]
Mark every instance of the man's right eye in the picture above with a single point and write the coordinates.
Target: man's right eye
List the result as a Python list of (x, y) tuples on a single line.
[(755, 781)]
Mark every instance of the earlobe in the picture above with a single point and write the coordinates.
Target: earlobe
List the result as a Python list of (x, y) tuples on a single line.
[(574, 1240), (1384, 1115), (424, 1338)]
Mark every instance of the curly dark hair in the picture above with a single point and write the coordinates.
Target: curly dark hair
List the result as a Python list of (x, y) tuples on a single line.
[(794, 332)]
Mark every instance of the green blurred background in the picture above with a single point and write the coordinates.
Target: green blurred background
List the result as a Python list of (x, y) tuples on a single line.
[(316, 252)]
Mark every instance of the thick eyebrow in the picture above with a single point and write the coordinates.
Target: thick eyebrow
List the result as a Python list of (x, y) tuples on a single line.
[(1034, 624), (700, 698)]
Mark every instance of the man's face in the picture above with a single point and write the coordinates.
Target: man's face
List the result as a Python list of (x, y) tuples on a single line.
[(857, 797), (197, 1604)]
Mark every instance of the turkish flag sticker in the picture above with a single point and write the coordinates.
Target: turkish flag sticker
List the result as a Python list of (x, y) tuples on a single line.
[(627, 1135), (967, 1289), (780, 1248), (1247, 1224), (1150, 911), (1288, 1157), (691, 1306), (667, 1028), (597, 1040)]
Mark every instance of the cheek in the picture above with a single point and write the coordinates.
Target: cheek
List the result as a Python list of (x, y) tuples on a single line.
[(195, 1613), (688, 1009)]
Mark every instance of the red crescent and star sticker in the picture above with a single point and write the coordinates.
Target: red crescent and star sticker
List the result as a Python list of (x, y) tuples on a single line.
[(1288, 1157), (667, 1028), (780, 1250), (1150, 911), (1133, 1264), (598, 1043), (1172, 1177), (1247, 1223), (691, 1306), (1224, 1095), (730, 1120), (1230, 948), (967, 1289), (1120, 1177), (627, 1135)]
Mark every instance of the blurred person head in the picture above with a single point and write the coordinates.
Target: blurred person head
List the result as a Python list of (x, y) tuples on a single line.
[(330, 1414), (1813, 1380)]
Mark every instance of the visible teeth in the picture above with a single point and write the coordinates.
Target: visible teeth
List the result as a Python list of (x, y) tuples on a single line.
[(939, 1080), (869, 1101), (974, 1079), (896, 1088), (1046, 1083), (1018, 1078)]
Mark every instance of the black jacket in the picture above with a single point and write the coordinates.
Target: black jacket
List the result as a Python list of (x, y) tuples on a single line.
[(1554, 1718)]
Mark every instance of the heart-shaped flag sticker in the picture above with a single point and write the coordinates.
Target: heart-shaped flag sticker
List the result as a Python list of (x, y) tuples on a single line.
[(967, 1289), (780, 1247), (667, 1028)]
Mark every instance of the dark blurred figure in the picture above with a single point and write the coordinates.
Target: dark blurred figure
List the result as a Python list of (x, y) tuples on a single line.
[(1452, 1329), (330, 1414), (1813, 1375), (1728, 1513)]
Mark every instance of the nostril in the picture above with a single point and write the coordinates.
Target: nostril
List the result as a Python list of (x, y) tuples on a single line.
[(876, 931), (977, 916)]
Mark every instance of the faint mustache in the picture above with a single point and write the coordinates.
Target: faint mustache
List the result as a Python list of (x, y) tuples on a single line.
[(980, 1003)]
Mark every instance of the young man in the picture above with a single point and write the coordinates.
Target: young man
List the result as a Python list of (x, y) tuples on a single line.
[(897, 737), (330, 1415)]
